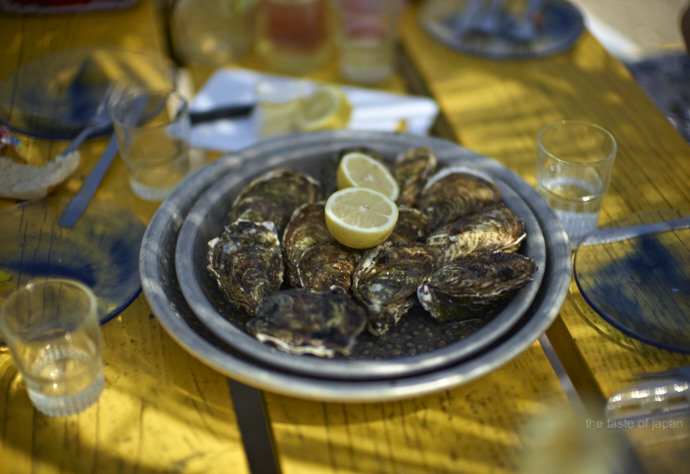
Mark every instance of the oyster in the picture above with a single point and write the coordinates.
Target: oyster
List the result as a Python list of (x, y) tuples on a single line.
[(492, 228), (469, 287), (303, 321), (274, 196), (306, 228), (247, 263), (327, 266), (456, 192), (386, 279), (411, 170), (412, 226)]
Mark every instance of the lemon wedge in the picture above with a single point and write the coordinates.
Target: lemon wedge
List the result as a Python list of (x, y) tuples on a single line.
[(326, 108), (360, 218), (359, 170)]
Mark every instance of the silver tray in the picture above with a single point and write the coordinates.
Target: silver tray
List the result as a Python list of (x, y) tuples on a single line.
[(161, 288), (418, 343)]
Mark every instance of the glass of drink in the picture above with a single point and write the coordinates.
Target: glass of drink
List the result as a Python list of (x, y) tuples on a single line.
[(293, 36), (152, 129), (367, 31), (574, 165), (52, 329)]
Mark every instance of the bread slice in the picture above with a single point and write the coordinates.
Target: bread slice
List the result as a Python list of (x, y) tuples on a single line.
[(26, 182)]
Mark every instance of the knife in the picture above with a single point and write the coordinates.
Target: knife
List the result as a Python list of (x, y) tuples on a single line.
[(605, 236), (78, 203), (218, 113)]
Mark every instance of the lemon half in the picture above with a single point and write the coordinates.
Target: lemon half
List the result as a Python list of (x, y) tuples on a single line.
[(360, 170), (360, 218), (326, 108)]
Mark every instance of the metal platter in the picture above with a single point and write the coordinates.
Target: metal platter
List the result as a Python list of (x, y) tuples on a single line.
[(161, 287), (418, 343)]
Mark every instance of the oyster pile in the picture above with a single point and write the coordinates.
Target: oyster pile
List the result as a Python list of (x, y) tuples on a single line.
[(453, 252)]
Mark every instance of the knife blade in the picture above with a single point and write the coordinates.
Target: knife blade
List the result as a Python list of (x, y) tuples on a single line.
[(78, 203), (605, 236)]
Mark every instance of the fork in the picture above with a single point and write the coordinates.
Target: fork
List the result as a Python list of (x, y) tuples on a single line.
[(98, 122), (524, 28), (682, 373)]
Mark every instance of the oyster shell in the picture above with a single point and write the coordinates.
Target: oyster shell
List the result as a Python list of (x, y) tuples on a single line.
[(456, 192), (492, 228), (274, 196), (303, 321), (247, 262), (411, 170), (386, 279), (412, 226), (327, 266), (306, 228), (470, 286)]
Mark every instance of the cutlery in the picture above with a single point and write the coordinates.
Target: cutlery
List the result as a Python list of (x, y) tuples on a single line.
[(463, 21), (78, 203), (99, 122), (605, 236), (219, 113), (492, 21), (524, 29)]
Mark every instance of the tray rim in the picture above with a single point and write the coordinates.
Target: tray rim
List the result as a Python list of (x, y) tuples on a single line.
[(169, 308)]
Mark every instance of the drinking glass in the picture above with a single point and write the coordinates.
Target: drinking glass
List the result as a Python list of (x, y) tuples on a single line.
[(574, 165), (52, 329), (367, 31), (152, 129)]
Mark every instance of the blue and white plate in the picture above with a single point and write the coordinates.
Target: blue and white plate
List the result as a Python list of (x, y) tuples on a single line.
[(560, 25), (101, 250), (641, 286)]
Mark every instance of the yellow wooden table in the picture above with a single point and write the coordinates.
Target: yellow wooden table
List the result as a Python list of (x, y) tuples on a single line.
[(162, 410)]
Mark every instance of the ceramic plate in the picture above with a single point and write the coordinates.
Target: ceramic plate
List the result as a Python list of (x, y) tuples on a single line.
[(419, 343), (642, 285), (55, 95), (561, 25), (162, 290), (101, 250)]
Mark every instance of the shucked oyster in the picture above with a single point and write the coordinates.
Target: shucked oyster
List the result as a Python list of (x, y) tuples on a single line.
[(327, 266), (456, 192), (386, 279), (247, 263), (303, 321), (306, 228), (274, 196), (468, 287), (492, 228), (411, 170)]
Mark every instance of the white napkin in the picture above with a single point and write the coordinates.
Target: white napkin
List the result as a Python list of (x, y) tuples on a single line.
[(371, 109)]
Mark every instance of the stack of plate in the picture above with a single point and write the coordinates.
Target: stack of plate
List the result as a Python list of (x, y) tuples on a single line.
[(418, 356)]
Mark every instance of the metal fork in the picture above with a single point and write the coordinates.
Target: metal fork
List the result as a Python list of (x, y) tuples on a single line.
[(97, 123)]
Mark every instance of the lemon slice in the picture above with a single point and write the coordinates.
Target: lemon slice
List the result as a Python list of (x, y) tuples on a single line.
[(360, 218), (326, 108), (362, 171)]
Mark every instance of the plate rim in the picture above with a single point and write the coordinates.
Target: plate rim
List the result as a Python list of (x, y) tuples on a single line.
[(555, 289)]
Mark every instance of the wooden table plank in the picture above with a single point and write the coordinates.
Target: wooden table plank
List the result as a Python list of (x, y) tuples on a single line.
[(478, 427), (162, 409)]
